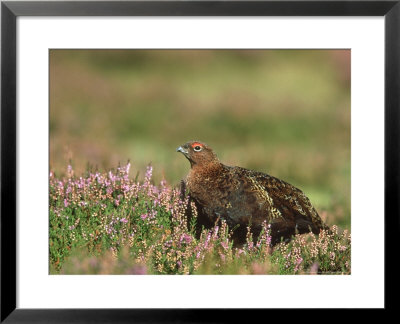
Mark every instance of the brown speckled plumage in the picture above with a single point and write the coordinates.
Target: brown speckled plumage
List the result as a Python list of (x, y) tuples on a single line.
[(244, 197)]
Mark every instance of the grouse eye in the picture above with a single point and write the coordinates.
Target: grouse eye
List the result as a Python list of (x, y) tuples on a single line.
[(197, 148)]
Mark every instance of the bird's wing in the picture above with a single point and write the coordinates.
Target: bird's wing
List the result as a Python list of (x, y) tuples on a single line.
[(287, 205)]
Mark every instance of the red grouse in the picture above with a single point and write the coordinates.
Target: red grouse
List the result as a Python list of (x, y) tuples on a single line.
[(245, 197)]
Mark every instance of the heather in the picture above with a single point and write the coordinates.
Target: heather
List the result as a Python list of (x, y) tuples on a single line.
[(113, 223)]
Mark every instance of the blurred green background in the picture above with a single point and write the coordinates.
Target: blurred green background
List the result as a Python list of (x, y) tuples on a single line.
[(284, 112)]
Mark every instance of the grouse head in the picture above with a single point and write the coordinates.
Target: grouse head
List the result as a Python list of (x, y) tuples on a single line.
[(198, 153)]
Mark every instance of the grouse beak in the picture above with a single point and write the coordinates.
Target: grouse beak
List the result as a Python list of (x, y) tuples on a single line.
[(185, 151), (182, 150)]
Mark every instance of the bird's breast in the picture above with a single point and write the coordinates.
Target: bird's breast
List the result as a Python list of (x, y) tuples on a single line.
[(207, 185)]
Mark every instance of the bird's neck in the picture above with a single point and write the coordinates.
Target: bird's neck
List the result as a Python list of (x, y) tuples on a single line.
[(201, 174), (206, 167), (201, 178)]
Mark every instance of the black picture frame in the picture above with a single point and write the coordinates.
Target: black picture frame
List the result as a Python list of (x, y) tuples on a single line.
[(10, 10)]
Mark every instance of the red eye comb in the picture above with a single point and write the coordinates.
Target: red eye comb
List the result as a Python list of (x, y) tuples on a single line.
[(197, 144)]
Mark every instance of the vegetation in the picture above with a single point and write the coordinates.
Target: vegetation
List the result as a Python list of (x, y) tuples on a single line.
[(108, 223)]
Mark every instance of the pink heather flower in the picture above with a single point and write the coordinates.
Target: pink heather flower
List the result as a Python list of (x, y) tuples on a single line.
[(207, 240), (112, 177), (269, 238), (66, 203), (143, 216), (224, 245), (268, 241), (149, 173), (123, 220), (185, 237), (70, 172), (188, 238), (216, 231), (126, 171), (116, 202), (168, 243), (298, 262)]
